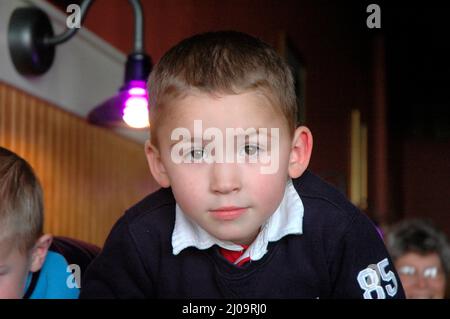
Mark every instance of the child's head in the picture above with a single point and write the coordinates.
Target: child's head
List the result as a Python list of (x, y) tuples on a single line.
[(23, 246), (223, 131), (221, 63)]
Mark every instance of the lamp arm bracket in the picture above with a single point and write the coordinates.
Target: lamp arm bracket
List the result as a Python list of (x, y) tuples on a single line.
[(70, 32), (84, 7)]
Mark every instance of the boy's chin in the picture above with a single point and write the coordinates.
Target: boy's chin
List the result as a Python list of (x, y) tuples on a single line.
[(241, 239)]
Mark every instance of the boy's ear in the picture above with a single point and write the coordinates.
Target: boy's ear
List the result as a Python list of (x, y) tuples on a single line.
[(301, 150), (39, 252), (155, 164)]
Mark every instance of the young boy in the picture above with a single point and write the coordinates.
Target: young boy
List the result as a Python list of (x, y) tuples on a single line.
[(238, 215), (33, 264)]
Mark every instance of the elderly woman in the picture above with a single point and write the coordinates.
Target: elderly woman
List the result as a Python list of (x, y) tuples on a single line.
[(421, 255)]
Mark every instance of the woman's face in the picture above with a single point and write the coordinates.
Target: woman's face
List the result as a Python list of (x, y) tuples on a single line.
[(422, 276)]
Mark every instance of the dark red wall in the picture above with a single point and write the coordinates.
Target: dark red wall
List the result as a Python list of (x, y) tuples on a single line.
[(425, 190)]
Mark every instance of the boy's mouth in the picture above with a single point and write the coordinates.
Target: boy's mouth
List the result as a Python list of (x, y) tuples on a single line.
[(228, 212)]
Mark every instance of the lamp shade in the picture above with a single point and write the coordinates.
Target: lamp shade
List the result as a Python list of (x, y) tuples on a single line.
[(128, 108)]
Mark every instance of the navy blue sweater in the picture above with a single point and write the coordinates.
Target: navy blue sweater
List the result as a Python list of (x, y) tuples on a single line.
[(339, 255)]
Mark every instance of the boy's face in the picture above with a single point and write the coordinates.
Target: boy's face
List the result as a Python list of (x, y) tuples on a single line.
[(15, 265), (14, 268), (229, 195)]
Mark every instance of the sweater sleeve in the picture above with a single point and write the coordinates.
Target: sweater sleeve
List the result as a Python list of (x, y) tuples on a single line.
[(361, 266), (118, 271)]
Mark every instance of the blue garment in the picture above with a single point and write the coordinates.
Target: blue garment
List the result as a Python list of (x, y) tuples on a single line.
[(52, 280)]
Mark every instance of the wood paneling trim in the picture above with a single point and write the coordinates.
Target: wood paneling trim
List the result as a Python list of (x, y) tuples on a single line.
[(90, 175)]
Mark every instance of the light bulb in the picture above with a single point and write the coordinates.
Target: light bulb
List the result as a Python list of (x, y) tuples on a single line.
[(135, 113)]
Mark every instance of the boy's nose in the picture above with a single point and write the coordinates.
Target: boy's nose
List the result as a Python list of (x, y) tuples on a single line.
[(225, 178)]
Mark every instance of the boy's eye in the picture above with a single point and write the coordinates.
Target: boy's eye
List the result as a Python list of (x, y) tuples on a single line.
[(196, 153), (251, 149)]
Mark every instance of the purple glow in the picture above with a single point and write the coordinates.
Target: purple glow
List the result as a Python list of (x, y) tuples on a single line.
[(137, 91), (135, 112)]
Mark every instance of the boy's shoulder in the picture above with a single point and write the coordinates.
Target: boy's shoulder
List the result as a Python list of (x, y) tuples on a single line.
[(156, 210), (155, 201), (311, 186), (325, 207)]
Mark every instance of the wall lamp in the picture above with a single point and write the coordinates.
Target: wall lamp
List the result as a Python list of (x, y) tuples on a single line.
[(32, 45)]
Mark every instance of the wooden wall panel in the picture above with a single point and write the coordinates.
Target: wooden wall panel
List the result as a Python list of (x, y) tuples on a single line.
[(90, 175)]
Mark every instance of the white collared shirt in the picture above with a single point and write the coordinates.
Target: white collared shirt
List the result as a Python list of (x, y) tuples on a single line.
[(287, 219)]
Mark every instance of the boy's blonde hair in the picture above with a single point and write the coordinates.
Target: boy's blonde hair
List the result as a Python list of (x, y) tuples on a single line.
[(21, 204), (224, 62)]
